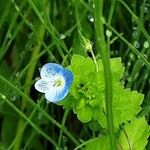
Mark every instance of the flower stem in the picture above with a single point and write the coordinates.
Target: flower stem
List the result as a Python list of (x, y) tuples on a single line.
[(101, 45)]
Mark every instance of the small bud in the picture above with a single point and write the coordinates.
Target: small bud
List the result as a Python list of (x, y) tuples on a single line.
[(88, 45)]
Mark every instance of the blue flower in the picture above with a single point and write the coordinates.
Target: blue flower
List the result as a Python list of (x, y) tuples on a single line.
[(55, 82)]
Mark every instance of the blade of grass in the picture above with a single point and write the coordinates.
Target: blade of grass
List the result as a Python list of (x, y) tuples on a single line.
[(51, 30), (102, 48), (134, 50), (13, 87), (39, 37), (136, 19), (24, 126), (29, 121)]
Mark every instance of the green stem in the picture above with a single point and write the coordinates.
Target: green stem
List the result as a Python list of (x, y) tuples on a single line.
[(32, 103), (134, 50), (24, 126), (94, 59), (101, 45), (29, 121), (63, 123), (39, 35), (140, 25), (113, 4)]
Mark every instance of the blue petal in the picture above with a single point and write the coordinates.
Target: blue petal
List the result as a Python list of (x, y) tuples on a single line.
[(59, 95), (49, 70), (48, 73), (55, 96), (68, 77)]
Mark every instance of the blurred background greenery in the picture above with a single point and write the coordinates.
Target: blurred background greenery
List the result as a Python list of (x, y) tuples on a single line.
[(33, 33)]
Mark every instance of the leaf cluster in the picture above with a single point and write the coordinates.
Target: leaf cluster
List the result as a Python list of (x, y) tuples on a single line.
[(87, 95)]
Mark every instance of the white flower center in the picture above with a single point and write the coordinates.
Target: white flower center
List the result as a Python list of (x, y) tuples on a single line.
[(59, 82)]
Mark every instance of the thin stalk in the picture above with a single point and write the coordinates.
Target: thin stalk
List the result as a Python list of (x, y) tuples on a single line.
[(94, 59), (59, 43), (136, 19), (24, 126), (28, 80), (63, 123), (29, 121), (134, 50), (101, 45), (113, 4), (32, 103)]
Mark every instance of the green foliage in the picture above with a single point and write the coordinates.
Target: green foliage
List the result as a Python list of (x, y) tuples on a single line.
[(98, 143), (33, 33), (88, 95), (133, 136)]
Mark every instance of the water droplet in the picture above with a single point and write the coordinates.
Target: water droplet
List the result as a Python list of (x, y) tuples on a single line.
[(145, 10), (129, 63), (134, 28), (90, 18), (62, 36), (146, 44), (3, 96), (132, 56), (136, 44), (93, 5), (134, 34), (108, 33)]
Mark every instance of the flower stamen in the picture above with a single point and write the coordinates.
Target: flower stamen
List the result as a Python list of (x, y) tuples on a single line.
[(57, 83)]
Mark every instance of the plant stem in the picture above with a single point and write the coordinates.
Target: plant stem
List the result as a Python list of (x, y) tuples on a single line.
[(32, 103), (101, 45), (63, 123), (113, 4), (39, 36), (29, 121), (24, 126)]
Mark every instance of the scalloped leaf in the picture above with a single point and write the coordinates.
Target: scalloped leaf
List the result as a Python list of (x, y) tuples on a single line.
[(81, 65), (84, 114), (88, 93), (135, 135)]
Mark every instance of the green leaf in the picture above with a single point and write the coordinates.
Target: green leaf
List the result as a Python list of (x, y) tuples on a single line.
[(88, 92), (81, 65), (84, 114), (68, 102), (136, 133), (101, 143), (126, 104), (117, 68)]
